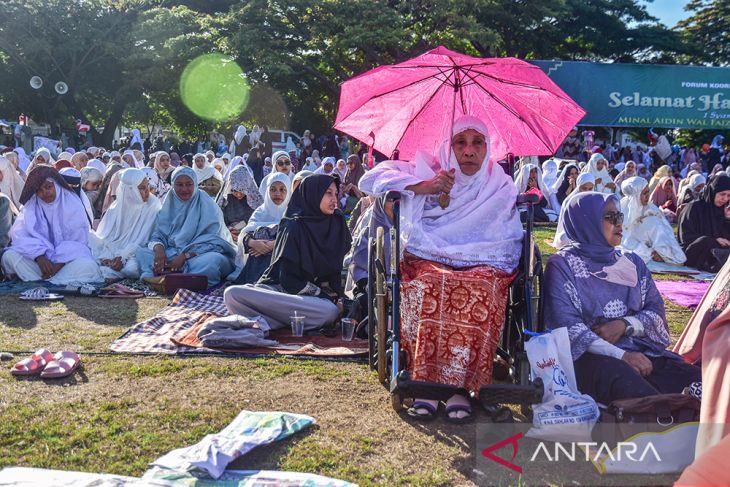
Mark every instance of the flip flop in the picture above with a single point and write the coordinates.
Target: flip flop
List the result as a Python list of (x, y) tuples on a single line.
[(39, 294), (119, 291), (62, 365), (34, 364), (428, 416), (456, 408)]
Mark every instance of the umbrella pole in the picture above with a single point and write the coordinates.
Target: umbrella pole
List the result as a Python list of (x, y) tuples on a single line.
[(445, 198)]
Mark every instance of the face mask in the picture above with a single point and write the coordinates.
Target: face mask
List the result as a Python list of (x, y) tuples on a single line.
[(623, 273)]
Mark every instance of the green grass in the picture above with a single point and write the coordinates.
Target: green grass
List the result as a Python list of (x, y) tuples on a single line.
[(120, 412)]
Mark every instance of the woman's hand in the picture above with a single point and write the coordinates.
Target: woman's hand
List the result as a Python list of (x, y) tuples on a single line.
[(639, 362), (611, 331), (257, 248), (440, 183), (46, 266), (115, 264), (611, 186), (160, 262), (656, 257), (178, 262), (723, 242)]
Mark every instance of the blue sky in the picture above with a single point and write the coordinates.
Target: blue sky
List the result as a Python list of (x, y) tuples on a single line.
[(669, 12)]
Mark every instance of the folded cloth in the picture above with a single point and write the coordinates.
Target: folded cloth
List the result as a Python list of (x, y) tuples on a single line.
[(247, 431), (236, 331)]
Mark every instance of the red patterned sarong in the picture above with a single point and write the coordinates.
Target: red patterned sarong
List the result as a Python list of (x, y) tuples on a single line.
[(452, 321)]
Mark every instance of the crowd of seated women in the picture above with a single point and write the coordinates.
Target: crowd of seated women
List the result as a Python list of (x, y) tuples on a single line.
[(280, 235)]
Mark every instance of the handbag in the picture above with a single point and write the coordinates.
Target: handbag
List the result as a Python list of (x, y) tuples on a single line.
[(661, 431), (172, 282)]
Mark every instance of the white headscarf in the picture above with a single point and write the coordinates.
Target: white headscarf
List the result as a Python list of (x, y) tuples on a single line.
[(603, 174), (128, 222), (264, 182), (136, 138), (207, 172), (74, 173), (269, 213), (134, 163), (645, 229), (240, 133), (549, 172), (46, 157), (524, 176), (12, 184), (326, 160), (479, 227), (59, 230), (563, 175), (583, 178), (560, 239), (24, 159), (97, 164)]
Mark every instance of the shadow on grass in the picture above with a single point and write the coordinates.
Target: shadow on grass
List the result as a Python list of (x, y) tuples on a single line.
[(18, 314), (76, 378), (109, 312), (271, 456)]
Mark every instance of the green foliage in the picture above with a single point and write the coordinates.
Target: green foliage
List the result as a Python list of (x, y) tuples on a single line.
[(709, 27), (123, 58)]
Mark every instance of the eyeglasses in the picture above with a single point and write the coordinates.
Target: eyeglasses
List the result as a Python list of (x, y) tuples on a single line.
[(614, 217), (283, 163)]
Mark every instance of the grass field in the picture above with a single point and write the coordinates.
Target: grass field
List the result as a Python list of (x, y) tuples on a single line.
[(121, 412)]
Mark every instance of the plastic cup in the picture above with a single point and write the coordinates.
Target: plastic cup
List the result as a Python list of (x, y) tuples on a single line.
[(348, 329), (297, 325)]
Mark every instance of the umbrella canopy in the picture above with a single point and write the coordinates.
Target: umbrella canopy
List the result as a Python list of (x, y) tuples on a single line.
[(411, 106)]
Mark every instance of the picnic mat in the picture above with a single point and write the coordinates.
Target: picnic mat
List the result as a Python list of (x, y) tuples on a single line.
[(684, 293), (664, 268), (174, 331)]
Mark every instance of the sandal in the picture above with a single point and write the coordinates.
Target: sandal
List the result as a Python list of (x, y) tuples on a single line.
[(39, 294), (454, 408), (34, 364), (429, 415), (62, 365)]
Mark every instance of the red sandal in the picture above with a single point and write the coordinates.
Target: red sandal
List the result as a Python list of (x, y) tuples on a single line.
[(33, 365)]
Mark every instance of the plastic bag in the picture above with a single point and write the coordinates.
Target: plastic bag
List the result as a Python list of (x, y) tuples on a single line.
[(564, 414)]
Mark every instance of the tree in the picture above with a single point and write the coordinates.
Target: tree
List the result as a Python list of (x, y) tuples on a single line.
[(110, 53), (708, 27)]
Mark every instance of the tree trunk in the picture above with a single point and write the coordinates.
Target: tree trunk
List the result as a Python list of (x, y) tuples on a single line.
[(106, 138)]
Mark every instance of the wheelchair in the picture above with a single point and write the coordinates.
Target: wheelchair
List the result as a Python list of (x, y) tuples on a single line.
[(523, 317)]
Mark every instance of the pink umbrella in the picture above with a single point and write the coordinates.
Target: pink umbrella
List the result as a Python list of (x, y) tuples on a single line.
[(412, 105)]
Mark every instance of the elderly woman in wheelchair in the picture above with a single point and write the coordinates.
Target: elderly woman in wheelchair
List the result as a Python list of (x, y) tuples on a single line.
[(462, 246)]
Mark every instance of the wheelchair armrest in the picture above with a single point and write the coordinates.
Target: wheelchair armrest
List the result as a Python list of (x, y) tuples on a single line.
[(527, 199)]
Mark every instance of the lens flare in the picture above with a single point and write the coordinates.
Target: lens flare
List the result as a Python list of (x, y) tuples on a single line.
[(214, 87)]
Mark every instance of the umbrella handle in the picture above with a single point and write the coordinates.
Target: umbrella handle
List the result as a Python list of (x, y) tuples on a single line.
[(444, 200)]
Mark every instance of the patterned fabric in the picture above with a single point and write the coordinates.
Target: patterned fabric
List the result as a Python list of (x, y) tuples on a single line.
[(155, 335), (577, 299), (452, 321)]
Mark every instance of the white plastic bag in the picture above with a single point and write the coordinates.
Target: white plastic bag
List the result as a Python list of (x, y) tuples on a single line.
[(564, 414)]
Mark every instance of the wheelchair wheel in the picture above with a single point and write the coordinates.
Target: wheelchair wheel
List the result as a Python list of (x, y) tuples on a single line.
[(397, 402), (381, 306)]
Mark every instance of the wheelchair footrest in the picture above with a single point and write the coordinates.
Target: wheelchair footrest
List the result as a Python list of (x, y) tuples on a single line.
[(407, 388), (511, 393)]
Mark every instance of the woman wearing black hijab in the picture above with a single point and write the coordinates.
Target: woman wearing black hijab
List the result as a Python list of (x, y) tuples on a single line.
[(306, 264), (703, 231)]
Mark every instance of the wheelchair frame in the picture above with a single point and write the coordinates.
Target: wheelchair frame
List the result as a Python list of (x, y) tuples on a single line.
[(523, 316)]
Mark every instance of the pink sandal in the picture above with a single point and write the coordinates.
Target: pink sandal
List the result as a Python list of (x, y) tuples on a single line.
[(33, 365), (62, 365)]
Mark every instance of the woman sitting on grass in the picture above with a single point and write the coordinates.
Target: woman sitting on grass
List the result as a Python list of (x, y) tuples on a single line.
[(51, 234), (305, 275), (611, 307), (125, 227), (189, 235), (259, 235)]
